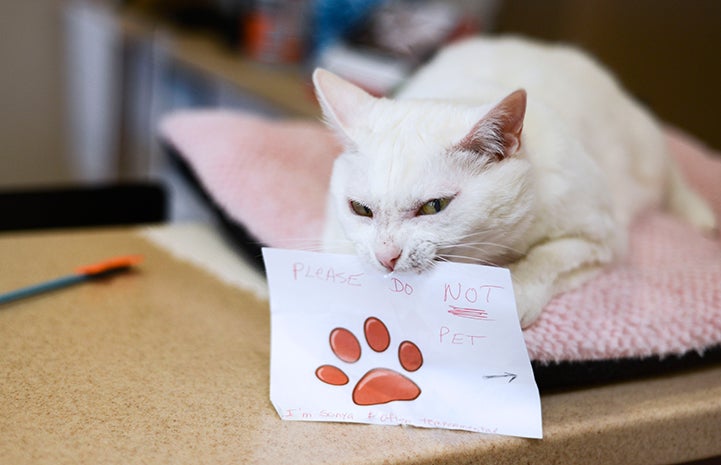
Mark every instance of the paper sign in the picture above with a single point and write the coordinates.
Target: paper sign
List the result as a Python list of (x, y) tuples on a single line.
[(439, 349)]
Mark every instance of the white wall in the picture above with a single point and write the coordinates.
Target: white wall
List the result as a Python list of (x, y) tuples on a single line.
[(32, 136)]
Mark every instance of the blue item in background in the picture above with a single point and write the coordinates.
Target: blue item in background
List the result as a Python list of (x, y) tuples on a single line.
[(333, 19)]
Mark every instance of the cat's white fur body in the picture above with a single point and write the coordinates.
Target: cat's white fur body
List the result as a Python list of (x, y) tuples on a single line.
[(554, 210)]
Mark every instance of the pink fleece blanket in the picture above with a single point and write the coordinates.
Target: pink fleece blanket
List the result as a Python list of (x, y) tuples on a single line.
[(664, 299)]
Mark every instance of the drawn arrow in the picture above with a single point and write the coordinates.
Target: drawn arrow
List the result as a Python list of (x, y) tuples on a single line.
[(510, 376)]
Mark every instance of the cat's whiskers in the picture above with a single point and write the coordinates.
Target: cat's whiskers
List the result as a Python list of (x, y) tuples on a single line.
[(465, 249), (466, 259), (483, 246), (474, 260)]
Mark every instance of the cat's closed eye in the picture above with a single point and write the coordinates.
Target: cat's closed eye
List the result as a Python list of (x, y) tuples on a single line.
[(360, 209), (434, 206)]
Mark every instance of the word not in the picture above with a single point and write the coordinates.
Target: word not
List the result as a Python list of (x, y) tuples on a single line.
[(471, 295), (446, 337), (330, 275)]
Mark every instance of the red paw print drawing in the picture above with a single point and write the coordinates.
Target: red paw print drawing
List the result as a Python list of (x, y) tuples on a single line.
[(378, 385)]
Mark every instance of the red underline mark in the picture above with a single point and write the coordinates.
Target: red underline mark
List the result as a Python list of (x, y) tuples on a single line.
[(472, 313)]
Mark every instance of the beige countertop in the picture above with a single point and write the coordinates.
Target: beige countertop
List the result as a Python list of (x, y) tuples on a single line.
[(169, 364)]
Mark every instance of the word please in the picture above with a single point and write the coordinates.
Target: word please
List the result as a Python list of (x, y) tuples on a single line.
[(327, 274)]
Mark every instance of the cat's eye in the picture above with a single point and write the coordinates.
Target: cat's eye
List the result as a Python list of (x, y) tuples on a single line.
[(360, 209), (434, 206)]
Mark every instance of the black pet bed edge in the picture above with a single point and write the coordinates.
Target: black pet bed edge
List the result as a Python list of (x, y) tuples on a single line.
[(575, 374)]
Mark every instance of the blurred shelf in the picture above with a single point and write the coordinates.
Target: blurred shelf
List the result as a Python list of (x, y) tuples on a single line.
[(286, 86)]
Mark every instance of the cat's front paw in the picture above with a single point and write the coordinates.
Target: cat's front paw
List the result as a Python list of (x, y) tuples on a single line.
[(530, 300), (702, 216)]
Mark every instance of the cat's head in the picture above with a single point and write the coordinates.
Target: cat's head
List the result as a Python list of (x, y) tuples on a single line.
[(424, 180)]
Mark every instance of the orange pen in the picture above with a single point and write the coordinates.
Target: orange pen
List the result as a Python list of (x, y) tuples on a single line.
[(82, 274)]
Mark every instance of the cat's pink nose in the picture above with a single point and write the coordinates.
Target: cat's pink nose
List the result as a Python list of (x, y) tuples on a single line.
[(388, 257)]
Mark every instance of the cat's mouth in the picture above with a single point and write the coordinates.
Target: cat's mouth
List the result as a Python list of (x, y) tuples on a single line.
[(417, 260), (425, 256)]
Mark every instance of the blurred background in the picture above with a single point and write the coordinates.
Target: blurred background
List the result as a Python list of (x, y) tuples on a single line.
[(85, 82)]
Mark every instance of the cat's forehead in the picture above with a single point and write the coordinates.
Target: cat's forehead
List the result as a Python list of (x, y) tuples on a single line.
[(401, 139), (416, 124), (399, 180), (401, 151)]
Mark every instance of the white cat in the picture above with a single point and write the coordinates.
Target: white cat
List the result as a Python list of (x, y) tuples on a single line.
[(500, 151)]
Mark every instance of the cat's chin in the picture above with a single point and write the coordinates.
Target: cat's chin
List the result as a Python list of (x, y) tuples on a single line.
[(404, 268)]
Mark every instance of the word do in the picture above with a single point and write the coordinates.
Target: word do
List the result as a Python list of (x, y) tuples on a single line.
[(399, 286)]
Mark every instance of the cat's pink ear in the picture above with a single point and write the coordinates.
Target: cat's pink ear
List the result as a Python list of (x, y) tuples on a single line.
[(498, 133), (341, 101)]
